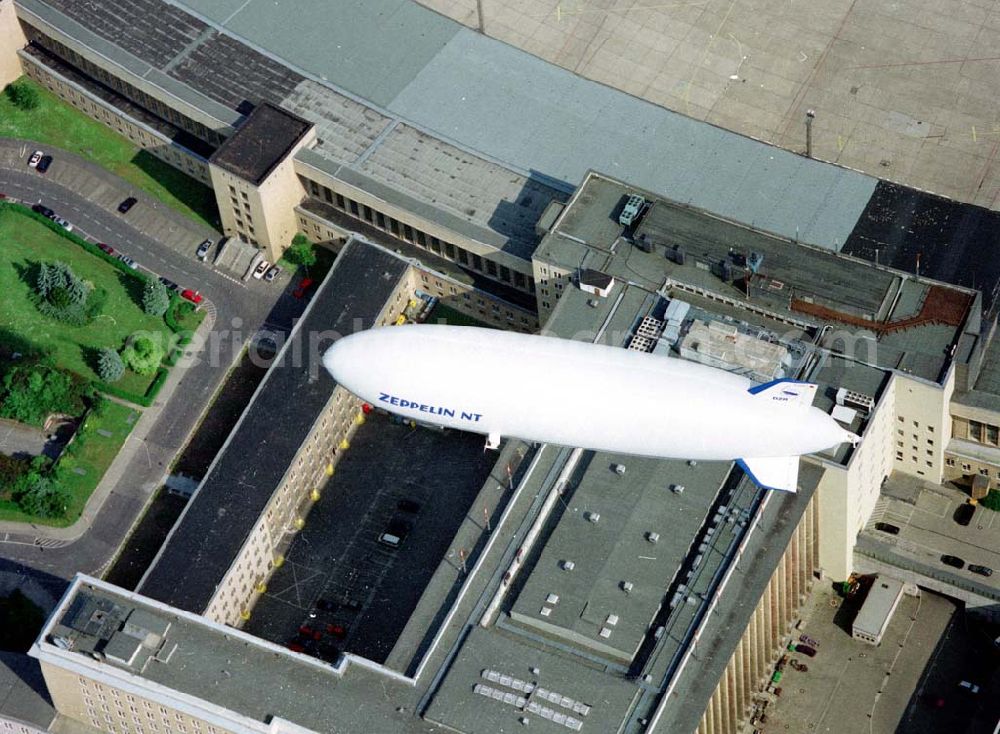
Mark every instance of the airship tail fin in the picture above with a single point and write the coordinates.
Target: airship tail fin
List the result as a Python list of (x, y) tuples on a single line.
[(785, 390), (779, 472)]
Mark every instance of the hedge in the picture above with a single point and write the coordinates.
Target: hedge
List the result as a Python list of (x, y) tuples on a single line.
[(74, 238), (144, 400)]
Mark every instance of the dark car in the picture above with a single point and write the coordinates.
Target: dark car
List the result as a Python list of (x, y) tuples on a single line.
[(43, 210), (805, 650), (953, 561), (127, 204), (171, 285), (981, 570), (106, 248), (407, 505), (44, 163), (887, 528), (963, 513)]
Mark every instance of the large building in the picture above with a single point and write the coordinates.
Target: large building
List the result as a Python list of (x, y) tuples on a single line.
[(598, 592)]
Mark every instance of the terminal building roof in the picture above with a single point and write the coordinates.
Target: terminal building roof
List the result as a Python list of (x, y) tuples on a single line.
[(260, 143), (250, 466), (460, 106), (913, 321)]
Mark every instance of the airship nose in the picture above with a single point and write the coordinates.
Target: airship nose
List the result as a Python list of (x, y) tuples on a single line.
[(337, 358)]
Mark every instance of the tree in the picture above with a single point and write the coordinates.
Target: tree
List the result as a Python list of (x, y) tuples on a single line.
[(63, 295), (143, 354), (29, 393), (110, 367), (155, 300), (23, 95), (300, 252)]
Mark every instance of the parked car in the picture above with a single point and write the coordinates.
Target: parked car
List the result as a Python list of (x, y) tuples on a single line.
[(968, 686), (262, 266), (129, 261), (963, 513), (171, 285), (981, 570), (811, 641), (106, 248), (63, 223), (193, 296), (43, 210), (887, 528), (395, 533), (273, 273), (203, 248), (953, 561), (805, 650), (304, 285), (44, 163), (35, 157), (127, 204)]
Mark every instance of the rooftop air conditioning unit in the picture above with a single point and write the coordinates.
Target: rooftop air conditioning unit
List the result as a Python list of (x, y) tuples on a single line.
[(568, 565), (627, 586), (652, 537), (677, 488), (594, 516), (619, 469)]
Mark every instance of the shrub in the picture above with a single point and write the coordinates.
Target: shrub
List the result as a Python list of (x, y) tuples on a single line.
[(110, 367), (43, 497), (155, 299), (23, 95), (992, 500), (143, 354), (300, 252), (28, 393)]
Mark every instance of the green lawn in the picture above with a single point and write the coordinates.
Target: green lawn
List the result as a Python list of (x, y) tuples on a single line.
[(25, 243), (59, 124), (442, 314), (93, 457)]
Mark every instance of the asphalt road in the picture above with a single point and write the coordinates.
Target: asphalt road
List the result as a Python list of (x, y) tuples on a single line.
[(239, 311)]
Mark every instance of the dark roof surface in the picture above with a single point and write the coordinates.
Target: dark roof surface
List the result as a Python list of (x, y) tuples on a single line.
[(219, 517), (234, 74), (595, 278), (151, 30), (957, 243), (261, 142)]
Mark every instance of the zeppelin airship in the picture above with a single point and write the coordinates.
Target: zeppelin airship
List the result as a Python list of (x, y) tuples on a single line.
[(572, 393)]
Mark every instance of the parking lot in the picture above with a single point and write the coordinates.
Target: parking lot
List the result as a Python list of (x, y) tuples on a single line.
[(340, 588), (851, 686)]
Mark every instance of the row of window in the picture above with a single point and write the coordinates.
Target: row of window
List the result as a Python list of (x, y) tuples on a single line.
[(985, 433), (146, 101), (967, 468), (404, 231)]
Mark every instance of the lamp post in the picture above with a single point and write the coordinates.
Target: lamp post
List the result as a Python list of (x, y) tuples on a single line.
[(810, 116)]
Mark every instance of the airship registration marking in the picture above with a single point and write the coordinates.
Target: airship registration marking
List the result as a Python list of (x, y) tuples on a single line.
[(385, 397)]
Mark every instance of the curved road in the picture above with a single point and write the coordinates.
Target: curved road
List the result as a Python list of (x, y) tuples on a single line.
[(162, 241)]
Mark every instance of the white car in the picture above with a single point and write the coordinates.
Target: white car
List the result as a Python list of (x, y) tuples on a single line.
[(261, 268), (35, 157), (63, 223)]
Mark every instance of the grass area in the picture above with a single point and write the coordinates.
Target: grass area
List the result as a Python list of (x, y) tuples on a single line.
[(59, 124), (93, 457), (442, 314), (27, 242)]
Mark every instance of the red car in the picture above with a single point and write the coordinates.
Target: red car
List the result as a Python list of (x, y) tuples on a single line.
[(303, 287), (106, 247), (193, 296)]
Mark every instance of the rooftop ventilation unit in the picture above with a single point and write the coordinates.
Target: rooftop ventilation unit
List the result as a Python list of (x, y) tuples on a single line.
[(676, 254), (653, 537), (627, 586), (594, 517), (630, 213), (568, 565), (852, 399), (605, 632), (677, 488), (546, 611), (644, 243), (612, 620), (552, 599), (619, 469)]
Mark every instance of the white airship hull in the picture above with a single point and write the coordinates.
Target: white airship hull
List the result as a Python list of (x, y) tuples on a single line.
[(579, 394)]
